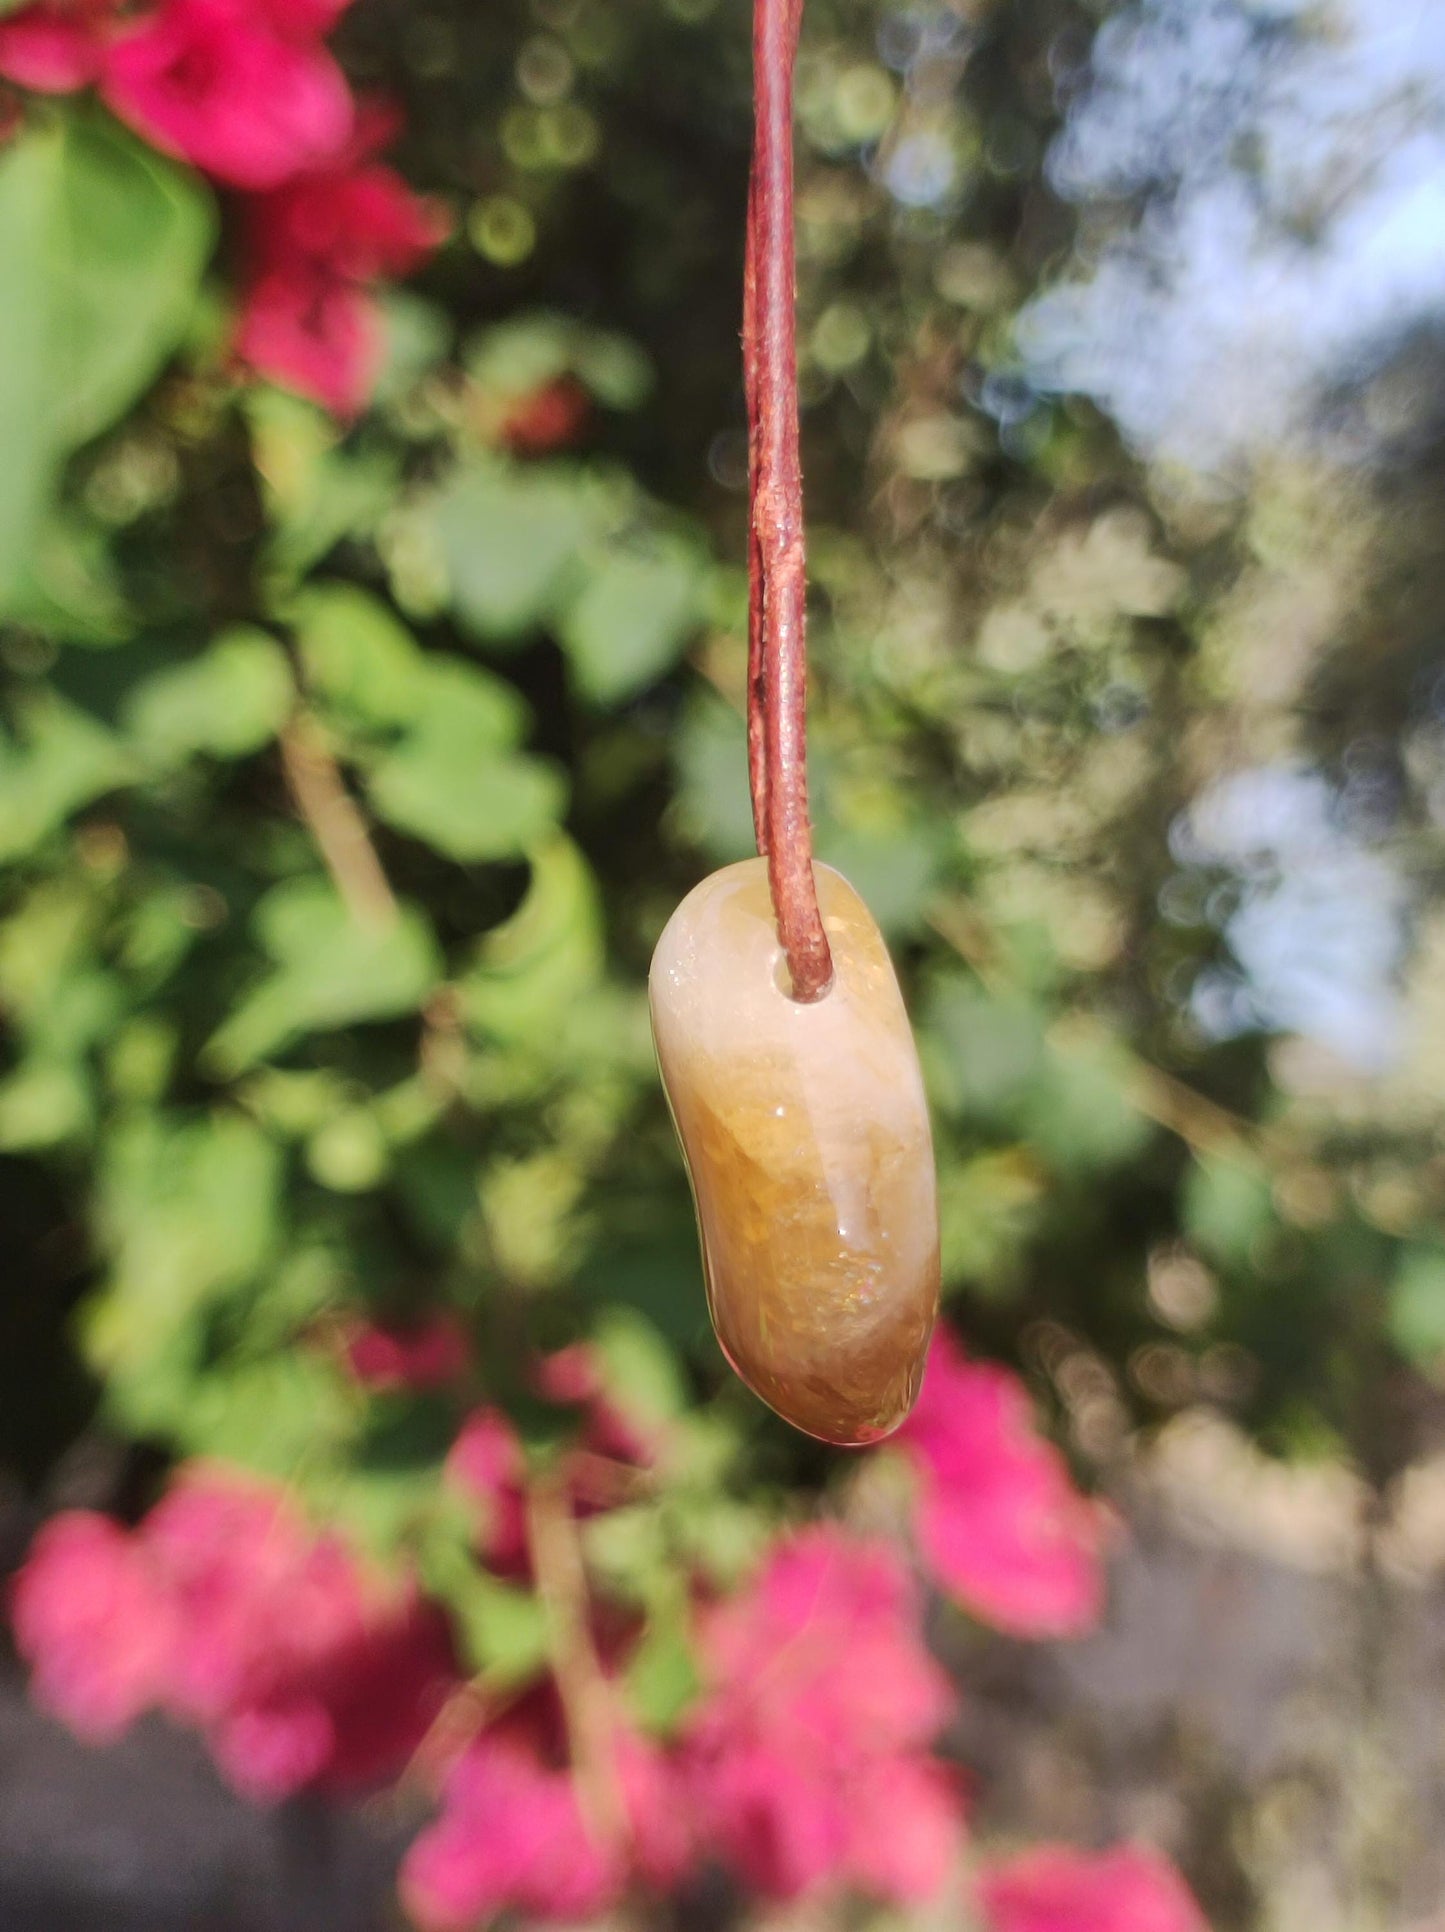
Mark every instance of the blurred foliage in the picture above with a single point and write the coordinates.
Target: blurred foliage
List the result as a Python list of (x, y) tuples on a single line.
[(347, 778)]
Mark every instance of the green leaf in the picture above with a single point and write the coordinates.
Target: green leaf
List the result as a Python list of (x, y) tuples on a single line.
[(130, 237), (386, 1495), (273, 1415), (614, 369), (1417, 1305), (470, 806), (189, 1211), (452, 780), (1078, 1113), (139, 1058), (523, 353), (987, 1208), (317, 489), (530, 970), (510, 538), (348, 1153), (45, 937), (662, 1674), (642, 1371), (983, 1051), (627, 1547), (632, 617), (157, 935), (723, 1536), (79, 1011), (648, 1259), (330, 971), (895, 871), (43, 1104), (418, 334), (63, 760), (229, 701), (27, 431), (1227, 1207), (103, 243), (357, 656), (714, 809), (67, 586), (502, 1628), (461, 709)]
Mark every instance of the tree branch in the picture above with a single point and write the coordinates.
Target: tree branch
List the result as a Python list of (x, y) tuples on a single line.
[(582, 1685), (334, 820)]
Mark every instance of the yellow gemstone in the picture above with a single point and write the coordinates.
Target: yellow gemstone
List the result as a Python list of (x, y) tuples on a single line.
[(806, 1136)]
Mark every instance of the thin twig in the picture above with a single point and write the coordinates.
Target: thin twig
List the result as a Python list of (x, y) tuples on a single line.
[(467, 1710), (1200, 1123), (582, 1686), (777, 658), (332, 817)]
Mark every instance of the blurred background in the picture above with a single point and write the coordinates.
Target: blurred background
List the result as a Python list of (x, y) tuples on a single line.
[(372, 651)]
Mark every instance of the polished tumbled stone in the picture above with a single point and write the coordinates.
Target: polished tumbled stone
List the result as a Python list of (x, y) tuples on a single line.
[(806, 1136)]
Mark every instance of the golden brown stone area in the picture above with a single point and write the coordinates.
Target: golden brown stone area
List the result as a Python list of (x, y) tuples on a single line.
[(806, 1136)]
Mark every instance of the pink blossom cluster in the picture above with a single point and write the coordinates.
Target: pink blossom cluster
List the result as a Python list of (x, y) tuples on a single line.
[(223, 1609), (487, 1466), (998, 1523), (810, 1752), (1053, 1888), (806, 1764), (247, 92), (514, 1831), (433, 1354)]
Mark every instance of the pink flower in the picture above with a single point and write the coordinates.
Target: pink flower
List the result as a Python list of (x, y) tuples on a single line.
[(383, 1693), (576, 1375), (299, 1675), (301, 19), (226, 1610), (430, 1355), (821, 1697), (268, 1749), (315, 334), (93, 1621), (221, 84), (1056, 1889), (664, 1838), (353, 215), (486, 1461), (913, 1839), (546, 418), (249, 1587), (315, 247), (57, 47), (343, 1718), (999, 1523), (486, 1464), (513, 1835)]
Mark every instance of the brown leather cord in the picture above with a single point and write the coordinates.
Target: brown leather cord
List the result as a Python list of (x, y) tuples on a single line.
[(777, 582)]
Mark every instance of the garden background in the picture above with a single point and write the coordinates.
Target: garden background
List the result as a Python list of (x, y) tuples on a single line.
[(388, 1542)]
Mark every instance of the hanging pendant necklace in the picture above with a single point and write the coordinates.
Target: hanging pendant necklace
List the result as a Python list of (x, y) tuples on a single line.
[(785, 1049)]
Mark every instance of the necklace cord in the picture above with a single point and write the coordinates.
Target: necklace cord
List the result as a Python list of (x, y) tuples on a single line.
[(777, 578)]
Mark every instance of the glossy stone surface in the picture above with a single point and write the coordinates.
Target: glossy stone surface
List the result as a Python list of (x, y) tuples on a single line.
[(805, 1131)]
